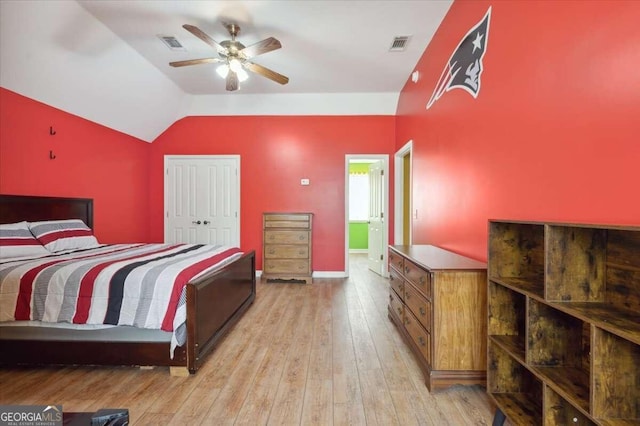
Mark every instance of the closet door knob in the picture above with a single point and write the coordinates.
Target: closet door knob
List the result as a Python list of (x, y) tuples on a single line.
[(196, 222), (206, 222)]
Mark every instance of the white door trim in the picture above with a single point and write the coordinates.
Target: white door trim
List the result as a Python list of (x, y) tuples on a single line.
[(385, 167), (165, 172), (399, 191)]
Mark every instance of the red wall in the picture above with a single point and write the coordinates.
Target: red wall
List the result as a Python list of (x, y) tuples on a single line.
[(276, 152), (91, 161), (553, 133)]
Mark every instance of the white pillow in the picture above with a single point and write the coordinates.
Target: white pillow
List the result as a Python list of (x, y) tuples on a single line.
[(58, 235), (17, 241)]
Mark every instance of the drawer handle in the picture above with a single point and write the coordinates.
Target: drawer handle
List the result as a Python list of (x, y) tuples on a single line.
[(399, 311), (406, 269), (301, 252), (422, 311), (407, 295), (301, 237), (391, 278), (272, 251), (406, 321), (423, 279), (422, 341)]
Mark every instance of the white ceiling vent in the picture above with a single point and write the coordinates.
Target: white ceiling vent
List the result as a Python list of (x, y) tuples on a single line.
[(399, 43), (172, 42)]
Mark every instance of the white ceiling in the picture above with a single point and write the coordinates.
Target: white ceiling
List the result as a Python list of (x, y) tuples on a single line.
[(328, 46), (102, 60)]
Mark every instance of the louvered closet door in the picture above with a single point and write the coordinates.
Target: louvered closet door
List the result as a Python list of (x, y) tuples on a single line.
[(202, 199)]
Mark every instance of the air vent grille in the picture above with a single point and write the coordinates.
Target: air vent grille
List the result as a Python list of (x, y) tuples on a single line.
[(399, 43), (171, 42)]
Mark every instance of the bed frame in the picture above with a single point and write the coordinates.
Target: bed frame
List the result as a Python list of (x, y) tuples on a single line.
[(214, 304)]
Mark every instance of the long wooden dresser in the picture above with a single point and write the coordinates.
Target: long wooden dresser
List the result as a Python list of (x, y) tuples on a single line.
[(437, 299), (286, 251)]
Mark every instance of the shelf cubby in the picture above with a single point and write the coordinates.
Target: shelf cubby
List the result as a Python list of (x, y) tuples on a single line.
[(514, 389), (594, 273), (558, 349), (507, 319), (616, 379), (559, 412), (520, 263)]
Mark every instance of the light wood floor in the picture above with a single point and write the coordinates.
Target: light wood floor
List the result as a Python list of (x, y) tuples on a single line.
[(320, 354)]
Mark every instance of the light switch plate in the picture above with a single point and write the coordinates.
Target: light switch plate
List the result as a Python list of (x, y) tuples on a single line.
[(304, 182)]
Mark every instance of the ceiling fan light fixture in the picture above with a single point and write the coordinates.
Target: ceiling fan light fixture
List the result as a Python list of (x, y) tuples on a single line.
[(235, 57), (223, 70), (242, 75)]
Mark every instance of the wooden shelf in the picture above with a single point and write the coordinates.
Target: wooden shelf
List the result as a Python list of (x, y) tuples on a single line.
[(620, 322), (532, 287), (514, 345), (564, 323), (517, 407), (571, 383)]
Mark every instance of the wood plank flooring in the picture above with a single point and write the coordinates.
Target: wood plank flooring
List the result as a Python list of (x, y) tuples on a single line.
[(320, 354)]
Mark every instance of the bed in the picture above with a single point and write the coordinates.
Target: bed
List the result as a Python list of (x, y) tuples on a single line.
[(214, 302)]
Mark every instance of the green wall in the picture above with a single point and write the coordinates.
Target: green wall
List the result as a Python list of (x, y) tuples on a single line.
[(358, 231), (358, 235)]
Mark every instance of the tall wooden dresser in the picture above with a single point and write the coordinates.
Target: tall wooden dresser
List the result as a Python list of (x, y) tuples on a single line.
[(286, 251), (437, 299)]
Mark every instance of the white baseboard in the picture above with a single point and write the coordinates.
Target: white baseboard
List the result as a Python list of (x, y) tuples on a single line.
[(318, 274), (358, 251), (329, 274)]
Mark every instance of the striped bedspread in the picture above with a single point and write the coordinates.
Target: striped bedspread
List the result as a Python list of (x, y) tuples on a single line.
[(140, 285)]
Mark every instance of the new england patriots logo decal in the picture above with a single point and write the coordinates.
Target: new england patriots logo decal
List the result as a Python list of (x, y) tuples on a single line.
[(465, 65)]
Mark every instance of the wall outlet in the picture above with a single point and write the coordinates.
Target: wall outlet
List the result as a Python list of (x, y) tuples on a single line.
[(304, 182)]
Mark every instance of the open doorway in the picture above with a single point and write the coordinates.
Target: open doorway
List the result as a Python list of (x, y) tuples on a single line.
[(366, 209), (403, 207)]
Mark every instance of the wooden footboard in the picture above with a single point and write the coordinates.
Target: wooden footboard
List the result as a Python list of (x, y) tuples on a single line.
[(215, 304)]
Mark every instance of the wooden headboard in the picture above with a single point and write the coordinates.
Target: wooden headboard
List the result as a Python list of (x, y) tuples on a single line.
[(32, 208)]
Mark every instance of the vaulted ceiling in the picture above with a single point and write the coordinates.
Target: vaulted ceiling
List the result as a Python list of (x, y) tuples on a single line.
[(105, 61)]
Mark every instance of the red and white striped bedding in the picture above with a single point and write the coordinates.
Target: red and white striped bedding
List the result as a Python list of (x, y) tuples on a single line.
[(140, 285)]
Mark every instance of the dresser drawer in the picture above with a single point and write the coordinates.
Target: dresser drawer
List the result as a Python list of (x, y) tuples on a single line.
[(396, 261), (293, 251), (418, 277), (397, 283), (420, 306), (287, 266), (287, 221), (419, 335), (286, 237), (396, 306)]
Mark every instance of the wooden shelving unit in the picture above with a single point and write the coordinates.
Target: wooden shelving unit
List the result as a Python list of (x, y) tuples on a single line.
[(564, 323)]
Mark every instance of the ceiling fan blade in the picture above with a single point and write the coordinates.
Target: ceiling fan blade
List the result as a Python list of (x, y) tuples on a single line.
[(204, 37), (232, 81), (194, 62), (264, 46), (266, 72)]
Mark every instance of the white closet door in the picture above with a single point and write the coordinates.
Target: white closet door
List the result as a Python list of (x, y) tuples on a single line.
[(202, 199)]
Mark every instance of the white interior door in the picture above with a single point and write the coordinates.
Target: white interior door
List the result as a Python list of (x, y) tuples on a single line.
[(376, 217), (202, 199)]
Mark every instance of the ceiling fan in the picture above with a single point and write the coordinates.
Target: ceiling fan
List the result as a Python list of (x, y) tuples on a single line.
[(235, 57)]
